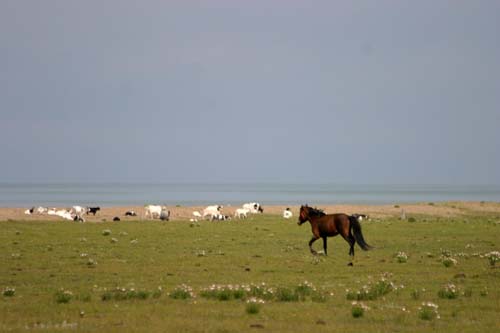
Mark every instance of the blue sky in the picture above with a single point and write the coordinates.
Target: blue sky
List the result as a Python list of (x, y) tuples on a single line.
[(392, 92)]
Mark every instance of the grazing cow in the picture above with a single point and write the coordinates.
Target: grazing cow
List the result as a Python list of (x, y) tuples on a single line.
[(165, 215), (241, 213), (130, 213), (254, 207), (51, 211), (212, 210), (287, 213), (92, 210), (116, 219), (153, 211)]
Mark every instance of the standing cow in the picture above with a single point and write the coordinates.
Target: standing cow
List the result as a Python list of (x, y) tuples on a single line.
[(153, 211), (254, 207), (212, 211)]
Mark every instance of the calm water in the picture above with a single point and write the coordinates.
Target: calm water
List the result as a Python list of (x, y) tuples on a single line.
[(27, 195)]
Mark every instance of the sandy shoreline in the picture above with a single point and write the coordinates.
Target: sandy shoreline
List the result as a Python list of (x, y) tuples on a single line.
[(448, 209)]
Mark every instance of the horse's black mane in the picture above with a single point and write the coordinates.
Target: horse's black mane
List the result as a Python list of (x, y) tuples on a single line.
[(316, 211)]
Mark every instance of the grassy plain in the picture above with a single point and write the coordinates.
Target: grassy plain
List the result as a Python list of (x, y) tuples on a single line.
[(41, 260)]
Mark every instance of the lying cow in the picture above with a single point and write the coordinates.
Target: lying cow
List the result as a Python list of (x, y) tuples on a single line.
[(361, 217), (29, 211), (220, 217), (287, 213)]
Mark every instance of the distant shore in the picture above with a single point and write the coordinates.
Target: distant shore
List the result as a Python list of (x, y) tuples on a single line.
[(442, 209)]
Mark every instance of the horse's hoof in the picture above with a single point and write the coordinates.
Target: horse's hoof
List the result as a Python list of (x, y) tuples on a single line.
[(350, 264)]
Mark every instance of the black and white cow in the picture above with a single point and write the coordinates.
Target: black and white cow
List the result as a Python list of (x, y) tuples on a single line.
[(361, 217), (93, 210)]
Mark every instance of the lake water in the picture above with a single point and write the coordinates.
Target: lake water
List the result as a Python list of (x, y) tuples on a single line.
[(27, 195)]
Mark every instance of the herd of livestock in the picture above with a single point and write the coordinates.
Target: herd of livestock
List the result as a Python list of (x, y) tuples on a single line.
[(75, 213), (212, 213)]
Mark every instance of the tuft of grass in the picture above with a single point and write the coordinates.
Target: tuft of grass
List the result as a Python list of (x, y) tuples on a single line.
[(63, 296), (122, 294), (449, 291), (304, 290), (157, 293), (9, 292), (182, 292), (428, 311), (416, 293), (252, 308), (372, 291), (401, 257), (493, 257), (358, 309), (448, 261), (286, 295)]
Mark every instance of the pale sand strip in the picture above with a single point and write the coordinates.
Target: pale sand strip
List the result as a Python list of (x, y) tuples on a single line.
[(449, 209)]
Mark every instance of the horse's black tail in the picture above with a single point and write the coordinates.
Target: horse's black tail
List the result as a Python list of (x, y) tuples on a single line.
[(358, 235)]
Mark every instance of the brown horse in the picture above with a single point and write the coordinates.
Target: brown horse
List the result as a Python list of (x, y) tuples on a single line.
[(330, 225)]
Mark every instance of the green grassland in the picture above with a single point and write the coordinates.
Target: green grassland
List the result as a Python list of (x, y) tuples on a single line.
[(71, 277)]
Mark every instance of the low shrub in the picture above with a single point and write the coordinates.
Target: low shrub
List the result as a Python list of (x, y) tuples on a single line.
[(428, 311)]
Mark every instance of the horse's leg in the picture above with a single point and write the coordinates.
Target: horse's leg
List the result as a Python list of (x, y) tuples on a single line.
[(313, 239), (324, 245), (350, 239)]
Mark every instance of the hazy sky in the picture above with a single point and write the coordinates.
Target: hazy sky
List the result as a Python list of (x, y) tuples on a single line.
[(251, 91)]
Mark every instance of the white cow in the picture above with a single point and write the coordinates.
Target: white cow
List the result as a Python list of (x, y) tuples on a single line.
[(196, 216), (241, 213), (153, 210), (287, 213), (41, 210), (211, 211), (65, 214), (253, 207), (78, 210)]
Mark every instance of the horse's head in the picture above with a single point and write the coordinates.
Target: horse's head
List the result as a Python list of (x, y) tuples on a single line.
[(303, 215)]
